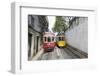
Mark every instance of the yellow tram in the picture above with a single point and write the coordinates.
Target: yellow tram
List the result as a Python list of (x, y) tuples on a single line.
[(60, 40)]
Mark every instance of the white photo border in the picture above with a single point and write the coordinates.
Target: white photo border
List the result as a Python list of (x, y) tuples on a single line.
[(17, 35)]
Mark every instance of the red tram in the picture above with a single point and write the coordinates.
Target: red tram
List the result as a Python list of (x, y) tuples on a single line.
[(48, 41)]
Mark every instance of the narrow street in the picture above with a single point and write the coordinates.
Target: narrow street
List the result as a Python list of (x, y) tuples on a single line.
[(58, 53)]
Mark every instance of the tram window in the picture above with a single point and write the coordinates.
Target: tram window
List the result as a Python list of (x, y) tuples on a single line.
[(49, 39), (44, 38), (59, 38), (52, 38), (63, 38)]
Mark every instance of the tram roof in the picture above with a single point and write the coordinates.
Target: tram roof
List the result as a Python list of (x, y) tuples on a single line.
[(49, 33)]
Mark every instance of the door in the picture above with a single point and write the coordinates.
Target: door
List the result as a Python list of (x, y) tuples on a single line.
[(37, 42)]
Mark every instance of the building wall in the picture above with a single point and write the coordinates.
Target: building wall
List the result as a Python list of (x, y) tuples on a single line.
[(35, 28), (34, 22), (33, 41), (77, 35)]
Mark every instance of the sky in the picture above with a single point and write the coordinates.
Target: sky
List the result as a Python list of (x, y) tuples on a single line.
[(51, 20)]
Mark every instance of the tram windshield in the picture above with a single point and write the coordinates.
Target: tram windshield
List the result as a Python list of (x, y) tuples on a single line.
[(60, 38), (49, 39)]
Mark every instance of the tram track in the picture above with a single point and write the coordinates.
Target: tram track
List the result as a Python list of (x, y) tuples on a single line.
[(76, 52)]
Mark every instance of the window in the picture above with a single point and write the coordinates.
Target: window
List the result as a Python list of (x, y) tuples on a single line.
[(62, 38), (59, 38), (49, 39), (52, 38), (45, 39)]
